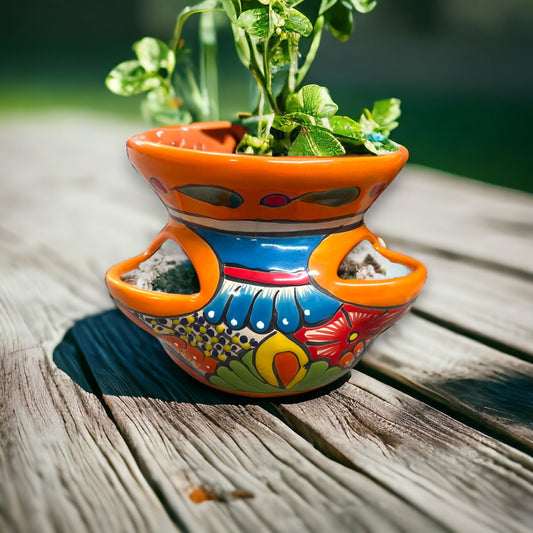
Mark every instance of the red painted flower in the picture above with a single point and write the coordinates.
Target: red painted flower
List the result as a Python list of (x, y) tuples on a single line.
[(342, 339)]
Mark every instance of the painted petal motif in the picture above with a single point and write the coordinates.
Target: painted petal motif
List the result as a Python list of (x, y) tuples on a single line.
[(287, 310), (373, 321), (239, 304), (316, 305), (336, 329), (347, 329), (280, 361)]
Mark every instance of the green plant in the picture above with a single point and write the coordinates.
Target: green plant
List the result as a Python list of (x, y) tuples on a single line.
[(277, 40)]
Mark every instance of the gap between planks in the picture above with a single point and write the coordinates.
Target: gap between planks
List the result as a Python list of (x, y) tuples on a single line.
[(470, 381), (195, 421)]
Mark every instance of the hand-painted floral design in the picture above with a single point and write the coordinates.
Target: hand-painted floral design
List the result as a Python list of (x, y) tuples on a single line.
[(342, 339), (242, 376), (281, 361), (193, 356), (212, 340), (243, 360)]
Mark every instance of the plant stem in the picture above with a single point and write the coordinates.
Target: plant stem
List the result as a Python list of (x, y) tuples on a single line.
[(208, 66), (191, 93), (313, 49), (255, 69)]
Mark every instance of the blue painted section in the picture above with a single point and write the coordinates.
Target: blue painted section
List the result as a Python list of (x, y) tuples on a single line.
[(215, 308), (287, 310), (240, 305), (316, 306), (280, 254), (261, 315)]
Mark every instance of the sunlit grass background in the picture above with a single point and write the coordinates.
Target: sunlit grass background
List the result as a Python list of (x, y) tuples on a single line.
[(463, 70)]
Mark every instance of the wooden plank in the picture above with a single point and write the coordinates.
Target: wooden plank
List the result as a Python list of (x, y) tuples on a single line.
[(447, 213), (65, 219), (258, 474), (489, 304), (63, 464), (490, 387), (466, 480)]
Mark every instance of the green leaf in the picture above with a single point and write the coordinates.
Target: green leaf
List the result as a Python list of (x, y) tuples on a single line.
[(386, 113), (316, 141), (199, 7), (231, 7), (154, 55), (297, 22), (385, 146), (325, 5), (290, 121), (312, 100), (160, 109), (339, 20), (255, 22), (364, 6), (280, 55), (129, 77), (346, 127)]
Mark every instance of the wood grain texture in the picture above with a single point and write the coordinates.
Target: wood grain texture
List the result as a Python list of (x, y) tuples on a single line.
[(188, 437), (473, 220), (485, 384), (63, 464), (102, 434), (464, 479), (488, 304)]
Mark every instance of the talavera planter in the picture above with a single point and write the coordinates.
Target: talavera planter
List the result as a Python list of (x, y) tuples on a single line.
[(266, 236)]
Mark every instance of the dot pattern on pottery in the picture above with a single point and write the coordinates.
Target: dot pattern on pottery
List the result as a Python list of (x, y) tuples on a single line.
[(217, 341), (243, 360)]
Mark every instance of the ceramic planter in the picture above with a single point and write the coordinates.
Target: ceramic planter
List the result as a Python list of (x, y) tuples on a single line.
[(266, 236)]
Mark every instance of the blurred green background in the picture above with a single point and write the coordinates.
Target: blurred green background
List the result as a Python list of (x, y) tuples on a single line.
[(463, 70)]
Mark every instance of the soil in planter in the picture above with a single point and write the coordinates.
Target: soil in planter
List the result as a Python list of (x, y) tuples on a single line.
[(169, 270), (368, 268), (180, 279), (363, 262)]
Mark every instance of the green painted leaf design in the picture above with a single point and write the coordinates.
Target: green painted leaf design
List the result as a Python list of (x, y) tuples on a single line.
[(319, 374), (332, 198)]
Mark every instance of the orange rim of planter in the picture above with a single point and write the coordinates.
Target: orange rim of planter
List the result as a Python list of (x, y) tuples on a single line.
[(162, 304), (166, 156), (325, 260)]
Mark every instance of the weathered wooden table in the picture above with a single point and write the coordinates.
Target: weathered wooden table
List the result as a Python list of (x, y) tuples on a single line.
[(99, 431)]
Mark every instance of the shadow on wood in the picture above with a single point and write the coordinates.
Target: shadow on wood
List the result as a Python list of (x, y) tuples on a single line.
[(108, 355), (511, 394)]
